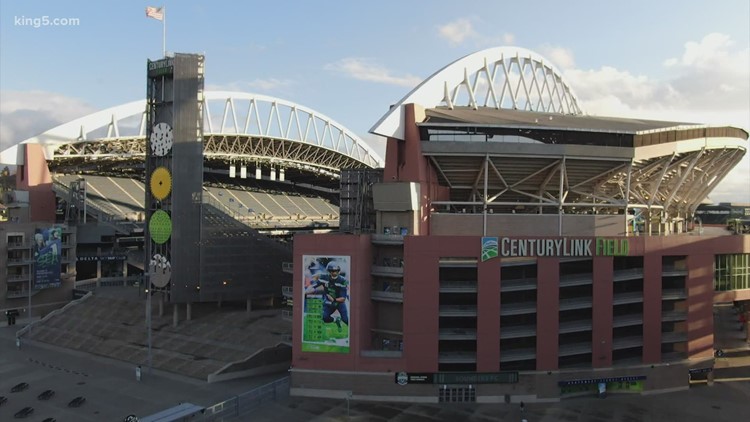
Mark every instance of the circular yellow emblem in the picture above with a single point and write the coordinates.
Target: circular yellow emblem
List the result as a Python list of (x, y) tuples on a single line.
[(161, 183)]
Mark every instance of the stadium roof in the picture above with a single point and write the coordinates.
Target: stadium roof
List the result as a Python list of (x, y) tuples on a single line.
[(237, 126), (485, 116)]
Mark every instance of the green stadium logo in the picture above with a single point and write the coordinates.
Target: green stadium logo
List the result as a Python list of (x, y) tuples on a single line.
[(489, 248)]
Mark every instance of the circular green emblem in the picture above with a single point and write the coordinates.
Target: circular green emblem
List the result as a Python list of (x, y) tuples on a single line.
[(160, 227)]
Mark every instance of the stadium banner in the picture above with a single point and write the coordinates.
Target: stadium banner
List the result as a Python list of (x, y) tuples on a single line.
[(47, 252), (325, 314)]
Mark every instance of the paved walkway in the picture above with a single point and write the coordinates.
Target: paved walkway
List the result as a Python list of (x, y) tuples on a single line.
[(109, 386), (112, 392), (717, 403)]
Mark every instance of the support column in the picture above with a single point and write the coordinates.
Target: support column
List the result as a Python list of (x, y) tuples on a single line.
[(98, 268), (175, 314), (488, 316), (189, 311), (548, 314), (700, 318), (161, 305), (652, 308), (602, 316)]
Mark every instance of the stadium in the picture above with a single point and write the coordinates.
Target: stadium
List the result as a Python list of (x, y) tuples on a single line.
[(509, 247), (522, 249), (270, 168)]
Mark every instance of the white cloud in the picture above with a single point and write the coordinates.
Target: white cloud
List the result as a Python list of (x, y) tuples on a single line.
[(562, 58), (367, 70), (508, 38), (708, 83), (457, 31), (24, 114)]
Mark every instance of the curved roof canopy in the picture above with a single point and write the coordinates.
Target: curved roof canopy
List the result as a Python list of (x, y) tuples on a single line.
[(501, 77), (232, 121)]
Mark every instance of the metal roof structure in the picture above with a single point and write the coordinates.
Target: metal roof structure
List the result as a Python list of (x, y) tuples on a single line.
[(502, 78), (238, 127), (505, 132)]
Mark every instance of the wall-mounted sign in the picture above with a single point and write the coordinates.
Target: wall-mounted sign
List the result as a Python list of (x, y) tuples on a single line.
[(105, 258), (507, 377), (560, 247), (600, 380)]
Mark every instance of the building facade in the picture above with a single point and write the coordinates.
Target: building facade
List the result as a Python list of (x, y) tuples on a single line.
[(521, 254)]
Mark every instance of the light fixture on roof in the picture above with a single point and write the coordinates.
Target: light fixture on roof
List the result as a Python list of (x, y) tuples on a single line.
[(281, 174), (232, 170), (243, 171)]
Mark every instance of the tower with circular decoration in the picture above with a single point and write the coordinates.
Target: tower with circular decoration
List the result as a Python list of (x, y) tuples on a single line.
[(174, 176)]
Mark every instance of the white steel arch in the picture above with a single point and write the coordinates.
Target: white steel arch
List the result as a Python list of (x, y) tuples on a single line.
[(245, 114), (500, 77)]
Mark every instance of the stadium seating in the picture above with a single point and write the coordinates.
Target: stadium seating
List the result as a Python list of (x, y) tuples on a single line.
[(121, 198)]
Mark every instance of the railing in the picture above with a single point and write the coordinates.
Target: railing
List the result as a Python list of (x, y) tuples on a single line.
[(52, 314), (287, 267), (93, 283), (242, 405)]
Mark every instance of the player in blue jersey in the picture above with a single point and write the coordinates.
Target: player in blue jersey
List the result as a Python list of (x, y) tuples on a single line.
[(335, 289)]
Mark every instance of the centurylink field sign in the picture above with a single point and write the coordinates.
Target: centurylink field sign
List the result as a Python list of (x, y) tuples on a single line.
[(493, 247)]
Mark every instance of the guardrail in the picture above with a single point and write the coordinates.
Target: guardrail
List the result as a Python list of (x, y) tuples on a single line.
[(93, 283), (243, 404), (76, 302)]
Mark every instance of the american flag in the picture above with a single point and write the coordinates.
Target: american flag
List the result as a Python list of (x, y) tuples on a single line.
[(155, 12)]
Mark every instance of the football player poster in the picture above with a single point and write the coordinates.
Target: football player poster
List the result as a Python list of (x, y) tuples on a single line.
[(325, 315), (47, 257)]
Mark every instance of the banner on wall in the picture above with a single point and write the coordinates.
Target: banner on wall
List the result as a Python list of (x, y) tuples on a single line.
[(325, 315), (47, 252)]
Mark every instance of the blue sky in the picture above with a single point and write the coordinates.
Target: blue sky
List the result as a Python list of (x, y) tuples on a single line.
[(684, 60)]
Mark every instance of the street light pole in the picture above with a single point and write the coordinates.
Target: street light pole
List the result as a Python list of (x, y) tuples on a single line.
[(148, 319), (31, 284)]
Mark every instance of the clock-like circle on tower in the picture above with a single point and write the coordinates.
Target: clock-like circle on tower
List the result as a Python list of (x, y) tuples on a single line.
[(161, 183), (160, 227), (161, 139)]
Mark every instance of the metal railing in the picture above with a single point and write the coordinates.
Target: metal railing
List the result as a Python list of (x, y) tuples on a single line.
[(242, 405), (120, 281)]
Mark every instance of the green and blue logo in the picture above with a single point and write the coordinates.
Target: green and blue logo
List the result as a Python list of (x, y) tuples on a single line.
[(489, 248)]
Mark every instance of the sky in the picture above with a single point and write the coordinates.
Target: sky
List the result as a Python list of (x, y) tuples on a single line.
[(678, 60)]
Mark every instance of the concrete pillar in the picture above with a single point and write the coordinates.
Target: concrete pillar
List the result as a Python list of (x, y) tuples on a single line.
[(249, 306), (548, 307), (488, 322), (189, 311), (652, 293), (175, 314), (602, 320), (700, 318), (98, 268), (161, 304), (124, 271)]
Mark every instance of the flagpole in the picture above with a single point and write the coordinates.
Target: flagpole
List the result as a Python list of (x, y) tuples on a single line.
[(164, 30)]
